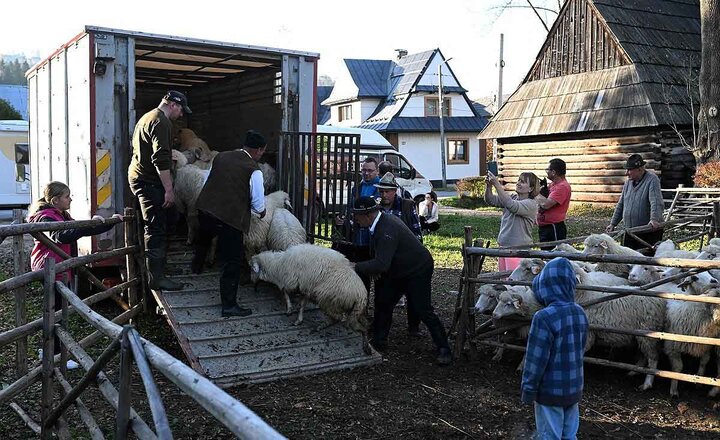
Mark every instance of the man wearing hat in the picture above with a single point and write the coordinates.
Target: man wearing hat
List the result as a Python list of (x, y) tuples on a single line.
[(151, 182), (232, 193), (404, 267), (640, 204), (391, 203)]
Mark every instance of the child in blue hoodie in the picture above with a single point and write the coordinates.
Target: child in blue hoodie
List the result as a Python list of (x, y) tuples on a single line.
[(553, 374)]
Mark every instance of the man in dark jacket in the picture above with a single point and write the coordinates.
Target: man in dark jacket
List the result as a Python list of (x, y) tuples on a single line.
[(553, 375), (405, 267), (151, 182), (233, 189)]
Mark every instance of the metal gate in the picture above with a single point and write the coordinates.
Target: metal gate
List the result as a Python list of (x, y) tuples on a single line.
[(318, 172)]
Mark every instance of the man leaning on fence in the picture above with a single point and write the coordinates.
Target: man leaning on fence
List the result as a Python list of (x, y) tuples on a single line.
[(640, 204)]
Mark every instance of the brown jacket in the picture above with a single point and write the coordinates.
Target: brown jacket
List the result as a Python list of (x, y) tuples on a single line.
[(226, 194), (151, 147)]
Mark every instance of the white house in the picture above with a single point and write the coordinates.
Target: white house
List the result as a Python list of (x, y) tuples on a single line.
[(400, 100)]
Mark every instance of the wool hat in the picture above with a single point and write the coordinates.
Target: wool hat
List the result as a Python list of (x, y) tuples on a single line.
[(634, 161), (387, 182), (253, 139), (179, 98), (364, 205)]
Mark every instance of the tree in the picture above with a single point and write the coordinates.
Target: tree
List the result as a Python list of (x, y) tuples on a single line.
[(13, 72), (708, 146), (7, 111)]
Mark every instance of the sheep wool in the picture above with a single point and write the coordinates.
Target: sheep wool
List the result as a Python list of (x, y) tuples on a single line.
[(285, 231)]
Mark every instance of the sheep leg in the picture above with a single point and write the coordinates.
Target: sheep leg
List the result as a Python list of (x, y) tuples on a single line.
[(498, 355), (192, 224), (213, 252), (703, 363), (677, 365), (639, 363), (303, 302), (288, 304), (649, 349)]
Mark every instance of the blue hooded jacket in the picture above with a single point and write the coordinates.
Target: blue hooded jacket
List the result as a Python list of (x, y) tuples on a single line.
[(553, 373)]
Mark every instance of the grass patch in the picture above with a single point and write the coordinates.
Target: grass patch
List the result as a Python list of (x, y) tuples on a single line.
[(465, 202)]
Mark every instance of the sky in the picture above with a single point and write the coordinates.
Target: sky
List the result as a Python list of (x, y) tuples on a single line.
[(466, 30)]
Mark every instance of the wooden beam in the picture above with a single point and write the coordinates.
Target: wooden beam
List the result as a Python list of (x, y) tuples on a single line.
[(48, 358), (85, 416)]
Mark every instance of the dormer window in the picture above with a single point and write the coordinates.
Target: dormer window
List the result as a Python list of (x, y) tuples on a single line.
[(431, 106), (344, 112)]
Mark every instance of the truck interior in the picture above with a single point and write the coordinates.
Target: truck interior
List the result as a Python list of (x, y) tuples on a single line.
[(229, 90)]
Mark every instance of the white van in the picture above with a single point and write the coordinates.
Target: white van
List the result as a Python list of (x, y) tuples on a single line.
[(14, 165), (373, 144)]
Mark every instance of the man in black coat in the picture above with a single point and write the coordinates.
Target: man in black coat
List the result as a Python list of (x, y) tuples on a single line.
[(405, 267)]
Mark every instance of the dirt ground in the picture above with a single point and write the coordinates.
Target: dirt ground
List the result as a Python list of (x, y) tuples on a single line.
[(409, 397)]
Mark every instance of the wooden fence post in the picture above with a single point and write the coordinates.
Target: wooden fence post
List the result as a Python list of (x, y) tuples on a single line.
[(123, 411), (130, 259), (716, 219), (48, 357), (21, 367)]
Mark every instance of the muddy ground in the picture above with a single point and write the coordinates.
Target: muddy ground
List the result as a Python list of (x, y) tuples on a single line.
[(407, 396)]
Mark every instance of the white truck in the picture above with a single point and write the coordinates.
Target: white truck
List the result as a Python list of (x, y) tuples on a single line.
[(14, 165), (85, 98)]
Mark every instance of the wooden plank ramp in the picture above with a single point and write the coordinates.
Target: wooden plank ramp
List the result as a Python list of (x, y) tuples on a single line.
[(262, 347)]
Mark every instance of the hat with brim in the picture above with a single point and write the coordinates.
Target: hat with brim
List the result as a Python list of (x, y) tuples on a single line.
[(633, 162), (178, 98), (387, 182), (364, 205)]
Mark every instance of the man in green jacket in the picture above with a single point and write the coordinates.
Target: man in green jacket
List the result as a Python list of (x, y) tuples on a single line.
[(151, 182)]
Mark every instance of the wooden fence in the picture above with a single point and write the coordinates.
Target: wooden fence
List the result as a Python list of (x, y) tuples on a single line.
[(125, 340), (468, 334)]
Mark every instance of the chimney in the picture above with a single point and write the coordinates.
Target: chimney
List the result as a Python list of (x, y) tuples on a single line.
[(401, 53)]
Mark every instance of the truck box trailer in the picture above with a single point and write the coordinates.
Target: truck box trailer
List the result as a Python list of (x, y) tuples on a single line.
[(85, 98)]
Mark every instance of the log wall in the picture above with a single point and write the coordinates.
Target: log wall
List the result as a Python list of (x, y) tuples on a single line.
[(595, 166)]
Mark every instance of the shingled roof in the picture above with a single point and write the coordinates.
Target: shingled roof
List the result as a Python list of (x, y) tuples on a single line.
[(654, 50)]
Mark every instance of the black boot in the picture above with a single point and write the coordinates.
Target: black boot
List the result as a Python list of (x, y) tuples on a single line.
[(156, 276), (228, 298)]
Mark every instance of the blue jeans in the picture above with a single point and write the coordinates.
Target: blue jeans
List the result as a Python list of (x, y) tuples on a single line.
[(556, 422)]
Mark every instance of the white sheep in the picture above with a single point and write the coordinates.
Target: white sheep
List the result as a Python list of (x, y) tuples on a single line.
[(255, 240), (697, 319), (285, 231), (488, 295), (714, 241), (565, 247), (527, 270), (665, 246), (603, 244), (189, 181), (518, 301), (269, 177), (205, 161), (320, 275)]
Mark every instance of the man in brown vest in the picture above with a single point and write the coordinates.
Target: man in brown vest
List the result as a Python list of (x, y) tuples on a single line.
[(233, 189)]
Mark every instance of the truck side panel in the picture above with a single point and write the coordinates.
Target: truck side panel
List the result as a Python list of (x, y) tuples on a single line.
[(59, 169), (42, 149), (33, 136)]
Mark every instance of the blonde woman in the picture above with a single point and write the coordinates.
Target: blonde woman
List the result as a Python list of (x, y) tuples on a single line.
[(519, 216)]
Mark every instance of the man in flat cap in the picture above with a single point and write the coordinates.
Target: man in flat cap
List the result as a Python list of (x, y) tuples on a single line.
[(233, 192), (640, 204), (151, 182), (404, 267)]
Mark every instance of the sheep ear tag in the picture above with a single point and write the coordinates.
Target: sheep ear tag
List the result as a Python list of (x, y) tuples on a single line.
[(516, 303), (535, 270), (603, 244), (255, 267)]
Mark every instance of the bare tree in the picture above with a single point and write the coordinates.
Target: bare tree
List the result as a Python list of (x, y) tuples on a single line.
[(708, 146), (537, 6)]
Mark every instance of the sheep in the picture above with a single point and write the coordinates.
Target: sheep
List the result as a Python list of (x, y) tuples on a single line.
[(518, 301), (488, 297), (269, 177), (190, 141), (285, 231), (714, 241), (665, 246), (697, 319), (255, 240), (320, 275), (603, 244), (565, 247), (527, 270), (709, 252), (206, 162), (189, 181)]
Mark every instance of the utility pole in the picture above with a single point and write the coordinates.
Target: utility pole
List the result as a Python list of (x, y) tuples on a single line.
[(442, 128), (501, 64)]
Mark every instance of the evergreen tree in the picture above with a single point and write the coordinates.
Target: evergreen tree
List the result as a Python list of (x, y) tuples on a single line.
[(8, 112)]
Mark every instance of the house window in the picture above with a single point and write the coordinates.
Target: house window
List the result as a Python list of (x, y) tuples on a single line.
[(344, 112), (457, 151), (431, 105), (277, 89)]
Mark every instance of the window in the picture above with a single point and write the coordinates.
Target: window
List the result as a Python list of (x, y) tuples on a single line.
[(277, 93), (344, 112), (431, 105), (457, 151), (22, 162)]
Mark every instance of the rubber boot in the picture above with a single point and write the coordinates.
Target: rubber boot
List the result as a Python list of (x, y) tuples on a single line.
[(228, 297), (156, 276)]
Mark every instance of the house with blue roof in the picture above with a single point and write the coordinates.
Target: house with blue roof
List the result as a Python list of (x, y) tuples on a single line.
[(399, 99), (17, 97)]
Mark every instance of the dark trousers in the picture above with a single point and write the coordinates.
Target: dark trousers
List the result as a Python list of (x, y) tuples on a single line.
[(552, 232), (155, 218), (649, 237), (431, 227), (231, 253), (417, 289)]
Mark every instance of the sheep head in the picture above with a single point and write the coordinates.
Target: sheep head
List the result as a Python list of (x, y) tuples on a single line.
[(488, 298), (179, 159), (528, 269), (643, 274), (699, 284), (597, 244)]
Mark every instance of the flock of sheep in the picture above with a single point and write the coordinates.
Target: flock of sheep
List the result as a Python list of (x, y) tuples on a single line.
[(628, 312), (275, 245)]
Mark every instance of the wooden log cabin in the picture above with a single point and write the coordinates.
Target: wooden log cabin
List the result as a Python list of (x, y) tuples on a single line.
[(614, 77)]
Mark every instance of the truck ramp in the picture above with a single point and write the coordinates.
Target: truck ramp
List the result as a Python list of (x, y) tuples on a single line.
[(262, 347)]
